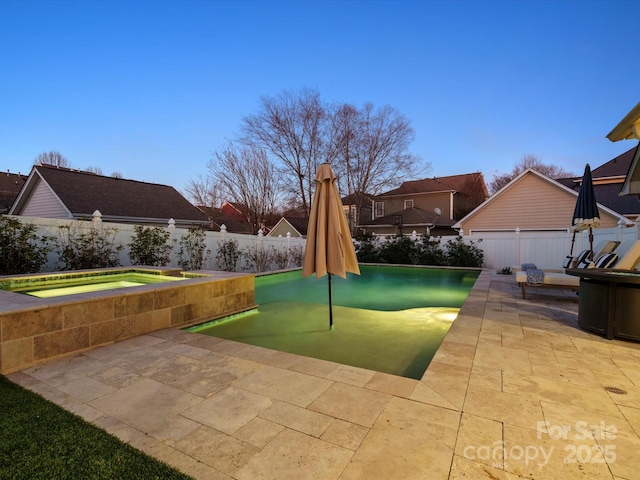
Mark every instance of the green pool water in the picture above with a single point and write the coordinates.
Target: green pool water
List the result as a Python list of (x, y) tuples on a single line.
[(388, 319)]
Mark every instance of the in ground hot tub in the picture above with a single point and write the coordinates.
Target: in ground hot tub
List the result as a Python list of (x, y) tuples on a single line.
[(58, 321)]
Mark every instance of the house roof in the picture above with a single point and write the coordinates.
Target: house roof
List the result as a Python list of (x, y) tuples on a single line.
[(299, 224), (82, 193), (354, 198), (608, 179), (10, 186), (514, 182), (618, 166), (468, 183)]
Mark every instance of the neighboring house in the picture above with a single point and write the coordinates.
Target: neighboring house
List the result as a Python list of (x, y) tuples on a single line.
[(296, 226), (531, 201), (608, 180), (53, 192), (358, 208), (10, 186), (429, 206)]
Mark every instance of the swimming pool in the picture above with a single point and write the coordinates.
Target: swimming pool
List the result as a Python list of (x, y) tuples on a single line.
[(389, 319)]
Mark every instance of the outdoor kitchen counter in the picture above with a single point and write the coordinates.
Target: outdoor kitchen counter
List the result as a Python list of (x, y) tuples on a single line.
[(609, 302)]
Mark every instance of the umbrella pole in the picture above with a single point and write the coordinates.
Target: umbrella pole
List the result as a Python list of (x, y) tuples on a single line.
[(591, 244), (330, 304)]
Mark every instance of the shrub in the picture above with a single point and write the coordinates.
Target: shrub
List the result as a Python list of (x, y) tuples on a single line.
[(399, 250), (366, 249), (461, 254), (90, 249), (22, 250), (296, 257), (257, 259), (280, 257), (228, 255), (430, 252), (149, 246), (193, 252)]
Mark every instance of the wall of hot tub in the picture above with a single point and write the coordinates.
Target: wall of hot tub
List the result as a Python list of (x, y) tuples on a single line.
[(34, 331)]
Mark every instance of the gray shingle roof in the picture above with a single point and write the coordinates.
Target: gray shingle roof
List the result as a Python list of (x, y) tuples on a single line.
[(84, 192)]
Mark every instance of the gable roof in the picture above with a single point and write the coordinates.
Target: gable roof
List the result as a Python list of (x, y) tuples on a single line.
[(616, 167), (10, 186), (82, 193), (608, 179), (467, 183), (299, 224), (532, 210)]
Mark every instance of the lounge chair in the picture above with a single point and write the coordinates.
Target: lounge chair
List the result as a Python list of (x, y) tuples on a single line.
[(605, 258)]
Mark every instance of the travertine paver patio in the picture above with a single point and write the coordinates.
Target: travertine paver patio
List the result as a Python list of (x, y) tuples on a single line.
[(516, 390)]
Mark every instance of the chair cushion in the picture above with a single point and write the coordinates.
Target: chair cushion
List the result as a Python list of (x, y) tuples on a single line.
[(569, 262), (586, 263), (606, 261), (582, 256)]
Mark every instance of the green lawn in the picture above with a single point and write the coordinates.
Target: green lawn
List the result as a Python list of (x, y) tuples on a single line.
[(39, 440)]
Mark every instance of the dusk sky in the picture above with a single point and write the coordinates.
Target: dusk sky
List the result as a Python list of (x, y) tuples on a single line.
[(151, 88)]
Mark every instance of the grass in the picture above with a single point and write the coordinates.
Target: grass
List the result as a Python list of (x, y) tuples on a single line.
[(40, 440)]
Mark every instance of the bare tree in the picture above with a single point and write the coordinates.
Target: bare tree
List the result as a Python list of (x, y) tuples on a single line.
[(52, 157), (116, 174), (499, 180), (93, 169), (249, 179), (290, 127), (205, 194), (370, 148)]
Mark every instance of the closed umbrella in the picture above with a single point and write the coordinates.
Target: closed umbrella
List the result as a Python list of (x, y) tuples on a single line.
[(586, 214), (329, 248)]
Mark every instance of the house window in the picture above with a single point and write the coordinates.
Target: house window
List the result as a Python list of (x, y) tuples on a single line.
[(379, 209), (408, 204)]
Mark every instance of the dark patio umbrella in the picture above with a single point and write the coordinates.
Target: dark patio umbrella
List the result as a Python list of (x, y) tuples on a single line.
[(586, 214), (329, 249)]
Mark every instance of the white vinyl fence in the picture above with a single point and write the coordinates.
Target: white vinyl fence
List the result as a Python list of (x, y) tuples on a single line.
[(290, 247), (546, 249)]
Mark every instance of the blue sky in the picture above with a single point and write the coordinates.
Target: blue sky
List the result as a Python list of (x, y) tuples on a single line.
[(151, 88)]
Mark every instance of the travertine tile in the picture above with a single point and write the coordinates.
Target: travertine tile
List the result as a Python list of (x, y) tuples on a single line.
[(228, 410), (345, 434), (504, 407), (465, 469), (560, 392), (577, 421), (293, 387), (534, 454), (439, 377), (216, 449), (151, 407), (258, 432), (297, 418), (409, 440), (480, 439), (392, 384), (295, 456), (314, 366), (352, 404), (351, 375)]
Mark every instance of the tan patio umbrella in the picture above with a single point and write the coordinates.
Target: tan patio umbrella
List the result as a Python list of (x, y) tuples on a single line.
[(329, 248)]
